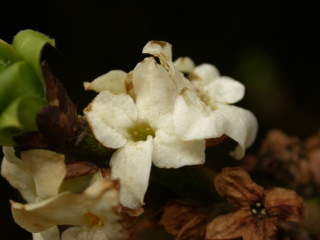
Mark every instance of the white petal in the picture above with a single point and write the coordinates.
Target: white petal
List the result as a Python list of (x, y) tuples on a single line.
[(63, 209), (113, 81), (155, 90), (131, 164), (171, 152), (241, 126), (78, 233), (163, 51), (182, 82), (194, 120), (14, 171), (109, 117), (225, 90), (47, 169), (38, 174), (84, 233), (49, 234), (184, 64), (107, 232), (107, 199), (160, 49), (105, 134), (206, 73)]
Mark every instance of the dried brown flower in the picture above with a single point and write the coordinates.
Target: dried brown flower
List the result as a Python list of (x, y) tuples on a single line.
[(312, 148), (312, 143), (314, 161), (283, 157), (183, 221), (259, 212)]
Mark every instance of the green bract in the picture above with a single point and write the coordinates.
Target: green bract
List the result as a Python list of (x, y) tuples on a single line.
[(22, 91)]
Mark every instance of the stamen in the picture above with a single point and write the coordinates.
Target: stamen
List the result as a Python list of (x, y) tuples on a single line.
[(141, 131), (259, 210), (254, 211), (263, 212)]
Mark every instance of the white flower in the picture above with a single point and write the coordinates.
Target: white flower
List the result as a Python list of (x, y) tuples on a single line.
[(113, 81), (208, 113), (142, 138), (93, 213), (38, 175), (156, 114), (141, 127)]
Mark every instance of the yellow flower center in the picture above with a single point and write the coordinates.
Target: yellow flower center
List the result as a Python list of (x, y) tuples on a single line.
[(140, 131), (93, 220)]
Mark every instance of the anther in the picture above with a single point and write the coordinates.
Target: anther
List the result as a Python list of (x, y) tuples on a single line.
[(263, 212)]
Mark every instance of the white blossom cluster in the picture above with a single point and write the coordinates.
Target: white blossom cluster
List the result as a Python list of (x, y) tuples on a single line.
[(153, 114)]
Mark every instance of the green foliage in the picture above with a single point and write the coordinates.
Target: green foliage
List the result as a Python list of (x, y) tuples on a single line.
[(22, 91)]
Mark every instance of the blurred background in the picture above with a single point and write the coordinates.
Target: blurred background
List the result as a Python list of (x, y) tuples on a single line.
[(272, 50)]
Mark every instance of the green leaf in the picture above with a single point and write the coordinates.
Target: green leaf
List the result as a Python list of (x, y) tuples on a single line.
[(8, 55), (22, 88), (29, 44), (18, 80), (19, 116)]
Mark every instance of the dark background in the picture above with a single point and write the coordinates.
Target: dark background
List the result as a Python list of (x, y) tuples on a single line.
[(271, 49)]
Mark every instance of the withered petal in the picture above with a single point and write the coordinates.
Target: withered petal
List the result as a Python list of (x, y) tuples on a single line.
[(211, 142), (77, 169), (194, 229), (55, 126), (31, 140), (229, 226), (175, 216), (132, 212), (236, 185), (284, 204), (260, 230), (56, 93), (60, 117)]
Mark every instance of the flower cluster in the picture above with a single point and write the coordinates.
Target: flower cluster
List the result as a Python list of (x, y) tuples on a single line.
[(154, 114), (161, 113)]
